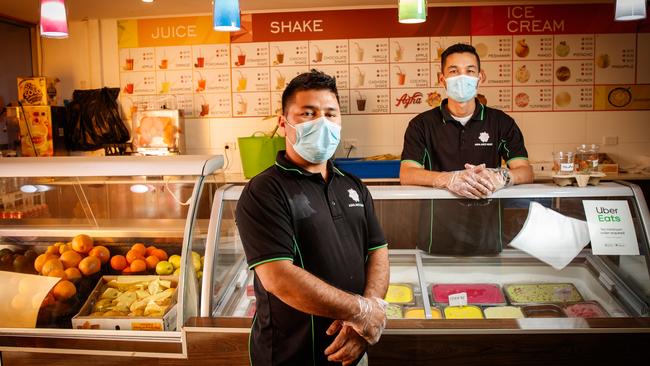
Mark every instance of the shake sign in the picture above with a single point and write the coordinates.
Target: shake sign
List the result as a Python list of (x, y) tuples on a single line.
[(611, 228)]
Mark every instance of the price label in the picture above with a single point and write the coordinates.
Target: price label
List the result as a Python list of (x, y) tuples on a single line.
[(459, 299)]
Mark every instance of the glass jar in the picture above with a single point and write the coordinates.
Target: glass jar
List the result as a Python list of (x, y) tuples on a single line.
[(587, 158)]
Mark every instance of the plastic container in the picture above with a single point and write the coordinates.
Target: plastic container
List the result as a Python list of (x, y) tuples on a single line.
[(400, 293), (463, 312), (541, 293), (543, 311), (477, 293), (587, 309), (369, 168), (258, 153), (418, 313), (394, 311), (503, 312)]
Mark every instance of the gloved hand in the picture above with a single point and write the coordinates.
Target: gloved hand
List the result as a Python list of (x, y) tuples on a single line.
[(371, 319), (470, 183), (498, 177)]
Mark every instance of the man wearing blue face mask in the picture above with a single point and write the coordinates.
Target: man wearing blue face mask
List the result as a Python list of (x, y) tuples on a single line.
[(310, 234), (459, 146)]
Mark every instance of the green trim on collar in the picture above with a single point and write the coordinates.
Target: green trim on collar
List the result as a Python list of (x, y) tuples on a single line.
[(412, 161), (288, 169), (442, 114), (482, 111), (517, 158), (270, 260), (338, 171)]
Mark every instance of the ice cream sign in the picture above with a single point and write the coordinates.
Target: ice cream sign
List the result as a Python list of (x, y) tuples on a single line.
[(611, 228), (522, 19)]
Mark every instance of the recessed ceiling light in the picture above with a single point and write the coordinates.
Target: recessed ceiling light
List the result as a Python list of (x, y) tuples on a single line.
[(147, 1)]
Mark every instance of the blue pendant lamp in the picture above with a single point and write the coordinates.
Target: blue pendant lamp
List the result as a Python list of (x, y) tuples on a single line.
[(225, 17), (412, 11)]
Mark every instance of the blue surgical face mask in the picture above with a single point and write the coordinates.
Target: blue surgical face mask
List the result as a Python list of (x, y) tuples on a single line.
[(316, 140), (461, 88)]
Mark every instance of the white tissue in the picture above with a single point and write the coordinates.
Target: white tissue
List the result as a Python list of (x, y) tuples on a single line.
[(551, 237)]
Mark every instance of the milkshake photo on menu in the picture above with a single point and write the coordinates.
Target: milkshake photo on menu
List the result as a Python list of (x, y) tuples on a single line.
[(318, 54), (358, 52), (361, 102), (205, 107), (399, 52), (361, 77), (279, 56)]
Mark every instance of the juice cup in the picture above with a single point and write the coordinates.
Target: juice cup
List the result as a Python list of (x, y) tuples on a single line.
[(129, 64), (163, 63), (201, 83), (205, 109), (200, 62), (165, 87), (128, 88), (279, 57), (241, 59)]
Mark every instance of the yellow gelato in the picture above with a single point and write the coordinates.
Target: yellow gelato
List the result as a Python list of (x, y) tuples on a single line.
[(463, 312), (399, 294), (418, 313)]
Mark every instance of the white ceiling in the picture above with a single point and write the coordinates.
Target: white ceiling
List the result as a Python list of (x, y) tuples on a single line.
[(28, 10)]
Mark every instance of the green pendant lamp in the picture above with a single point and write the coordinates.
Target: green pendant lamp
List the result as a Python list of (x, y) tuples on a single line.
[(412, 11)]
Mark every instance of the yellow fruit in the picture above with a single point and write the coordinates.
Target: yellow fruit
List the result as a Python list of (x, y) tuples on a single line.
[(64, 290), (90, 265), (50, 265), (64, 248), (100, 252), (164, 268), (177, 272), (52, 250), (70, 259), (82, 243), (175, 260), (73, 274)]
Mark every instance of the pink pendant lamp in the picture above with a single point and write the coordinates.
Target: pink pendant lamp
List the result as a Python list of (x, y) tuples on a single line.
[(54, 22)]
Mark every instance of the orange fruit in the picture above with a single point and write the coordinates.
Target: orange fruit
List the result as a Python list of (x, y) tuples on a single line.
[(138, 265), (48, 300), (150, 248), (132, 255), (139, 248), (64, 248), (127, 271), (82, 243), (50, 265), (57, 273), (64, 290), (52, 250), (100, 252), (118, 262), (90, 265), (40, 261), (152, 261), (70, 259), (160, 254), (72, 274)]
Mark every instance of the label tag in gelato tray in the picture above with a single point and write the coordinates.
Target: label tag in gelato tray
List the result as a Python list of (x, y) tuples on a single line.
[(459, 299), (611, 228)]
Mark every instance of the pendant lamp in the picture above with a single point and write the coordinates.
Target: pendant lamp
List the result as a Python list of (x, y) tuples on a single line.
[(54, 22), (630, 10), (225, 17), (412, 11)]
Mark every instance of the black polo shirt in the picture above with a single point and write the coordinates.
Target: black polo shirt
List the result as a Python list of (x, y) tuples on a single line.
[(436, 141), (326, 228)]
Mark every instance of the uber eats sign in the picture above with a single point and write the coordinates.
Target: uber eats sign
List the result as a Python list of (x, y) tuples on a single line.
[(611, 228)]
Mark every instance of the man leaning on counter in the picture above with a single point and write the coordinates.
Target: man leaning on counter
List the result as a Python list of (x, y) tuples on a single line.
[(459, 146)]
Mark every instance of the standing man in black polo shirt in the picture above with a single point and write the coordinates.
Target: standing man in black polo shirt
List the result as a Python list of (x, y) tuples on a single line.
[(458, 146), (311, 236)]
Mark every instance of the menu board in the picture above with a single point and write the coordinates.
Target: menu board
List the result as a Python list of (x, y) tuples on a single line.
[(535, 58)]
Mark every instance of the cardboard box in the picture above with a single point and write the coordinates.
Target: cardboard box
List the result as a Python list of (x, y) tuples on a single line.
[(36, 91), (83, 320)]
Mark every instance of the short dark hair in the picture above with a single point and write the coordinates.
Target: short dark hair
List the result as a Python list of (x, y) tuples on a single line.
[(312, 80), (458, 48)]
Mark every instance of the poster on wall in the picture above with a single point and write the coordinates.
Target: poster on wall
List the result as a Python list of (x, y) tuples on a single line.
[(535, 58)]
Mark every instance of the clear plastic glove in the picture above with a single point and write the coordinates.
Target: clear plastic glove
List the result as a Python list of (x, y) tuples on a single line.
[(498, 177), (471, 182), (371, 319)]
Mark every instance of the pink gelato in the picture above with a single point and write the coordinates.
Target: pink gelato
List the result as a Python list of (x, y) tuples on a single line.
[(589, 309), (477, 293)]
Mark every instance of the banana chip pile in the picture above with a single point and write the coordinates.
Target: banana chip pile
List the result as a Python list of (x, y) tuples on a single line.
[(149, 298)]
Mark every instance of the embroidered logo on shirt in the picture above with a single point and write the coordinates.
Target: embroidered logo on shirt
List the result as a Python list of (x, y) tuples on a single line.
[(355, 197), (484, 137)]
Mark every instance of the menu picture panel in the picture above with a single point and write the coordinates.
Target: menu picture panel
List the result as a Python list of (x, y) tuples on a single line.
[(615, 58)]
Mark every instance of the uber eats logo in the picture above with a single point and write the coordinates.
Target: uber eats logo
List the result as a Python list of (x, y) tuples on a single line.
[(608, 214)]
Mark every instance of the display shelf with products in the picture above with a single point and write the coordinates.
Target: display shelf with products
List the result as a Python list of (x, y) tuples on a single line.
[(512, 298), (111, 262)]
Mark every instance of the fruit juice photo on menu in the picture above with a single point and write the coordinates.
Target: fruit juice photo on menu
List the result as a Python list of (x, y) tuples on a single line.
[(241, 57), (200, 60), (401, 76), (205, 108), (128, 64), (163, 62), (129, 87), (201, 83), (165, 85), (242, 81)]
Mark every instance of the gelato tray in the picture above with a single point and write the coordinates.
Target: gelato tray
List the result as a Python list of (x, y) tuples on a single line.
[(418, 313), (463, 312), (587, 309), (503, 312), (477, 293), (400, 293), (542, 293), (543, 311), (394, 311)]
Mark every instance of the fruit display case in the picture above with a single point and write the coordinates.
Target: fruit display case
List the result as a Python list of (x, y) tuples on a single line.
[(517, 306), (117, 243)]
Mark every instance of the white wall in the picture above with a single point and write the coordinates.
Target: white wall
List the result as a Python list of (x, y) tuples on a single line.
[(89, 59)]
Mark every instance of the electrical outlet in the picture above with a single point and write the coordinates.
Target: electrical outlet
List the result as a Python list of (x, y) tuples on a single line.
[(348, 143), (610, 140), (230, 145)]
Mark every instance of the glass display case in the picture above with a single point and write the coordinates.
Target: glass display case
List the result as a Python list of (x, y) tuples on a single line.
[(507, 290), (126, 234)]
